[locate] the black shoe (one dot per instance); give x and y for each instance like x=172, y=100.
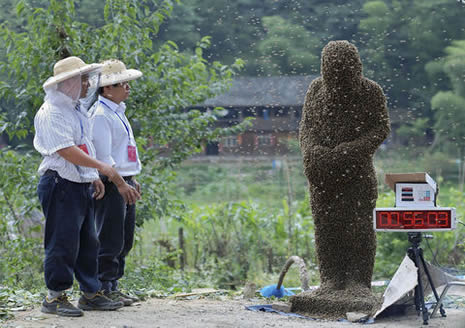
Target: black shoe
x=118, y=296
x=60, y=306
x=98, y=303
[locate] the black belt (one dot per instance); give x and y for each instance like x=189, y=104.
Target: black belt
x=51, y=173
x=104, y=178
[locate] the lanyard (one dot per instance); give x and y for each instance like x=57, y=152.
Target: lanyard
x=122, y=121
x=80, y=122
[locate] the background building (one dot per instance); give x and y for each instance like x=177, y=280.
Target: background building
x=275, y=103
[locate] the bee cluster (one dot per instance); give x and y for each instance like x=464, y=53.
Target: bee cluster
x=344, y=121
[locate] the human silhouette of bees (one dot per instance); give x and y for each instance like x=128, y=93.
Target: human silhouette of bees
x=344, y=121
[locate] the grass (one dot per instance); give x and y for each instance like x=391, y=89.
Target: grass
x=265, y=188
x=264, y=182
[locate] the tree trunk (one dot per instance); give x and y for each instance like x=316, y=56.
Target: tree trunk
x=182, y=255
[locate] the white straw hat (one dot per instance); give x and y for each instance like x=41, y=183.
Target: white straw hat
x=114, y=71
x=68, y=68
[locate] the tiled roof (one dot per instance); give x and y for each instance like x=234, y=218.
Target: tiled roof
x=264, y=91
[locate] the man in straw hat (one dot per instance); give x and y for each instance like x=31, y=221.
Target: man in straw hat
x=115, y=145
x=67, y=171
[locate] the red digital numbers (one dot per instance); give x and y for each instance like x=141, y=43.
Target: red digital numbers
x=413, y=219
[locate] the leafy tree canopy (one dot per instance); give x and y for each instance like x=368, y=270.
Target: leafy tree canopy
x=172, y=80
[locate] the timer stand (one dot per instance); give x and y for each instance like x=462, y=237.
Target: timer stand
x=415, y=212
x=415, y=252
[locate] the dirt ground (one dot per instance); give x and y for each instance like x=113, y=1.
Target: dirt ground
x=220, y=312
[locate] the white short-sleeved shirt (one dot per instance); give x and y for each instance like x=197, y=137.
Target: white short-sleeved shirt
x=111, y=136
x=59, y=125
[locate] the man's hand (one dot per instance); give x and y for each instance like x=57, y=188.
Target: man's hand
x=76, y=156
x=99, y=189
x=129, y=194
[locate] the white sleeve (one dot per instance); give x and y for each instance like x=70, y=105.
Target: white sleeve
x=53, y=132
x=101, y=138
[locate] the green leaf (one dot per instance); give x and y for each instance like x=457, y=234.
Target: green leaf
x=20, y=8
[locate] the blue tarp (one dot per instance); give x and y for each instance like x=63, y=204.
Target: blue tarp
x=269, y=308
x=271, y=290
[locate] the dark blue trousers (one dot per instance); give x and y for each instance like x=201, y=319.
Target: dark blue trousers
x=115, y=223
x=70, y=242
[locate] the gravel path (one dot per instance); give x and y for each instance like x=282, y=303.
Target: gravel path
x=205, y=313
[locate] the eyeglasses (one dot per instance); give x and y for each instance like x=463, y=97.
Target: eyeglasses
x=121, y=84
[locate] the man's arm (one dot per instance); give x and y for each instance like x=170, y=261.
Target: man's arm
x=76, y=156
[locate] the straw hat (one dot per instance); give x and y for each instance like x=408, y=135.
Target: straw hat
x=114, y=71
x=68, y=68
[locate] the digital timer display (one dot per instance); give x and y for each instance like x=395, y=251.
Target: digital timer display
x=414, y=219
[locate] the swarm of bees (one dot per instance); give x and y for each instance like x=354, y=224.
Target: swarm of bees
x=344, y=121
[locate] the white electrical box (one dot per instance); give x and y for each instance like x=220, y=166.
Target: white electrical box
x=414, y=195
x=415, y=208
x=414, y=190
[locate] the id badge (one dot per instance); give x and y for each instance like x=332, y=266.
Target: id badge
x=83, y=147
x=132, y=153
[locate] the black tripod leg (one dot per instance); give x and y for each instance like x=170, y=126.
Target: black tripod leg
x=441, y=308
x=411, y=254
x=421, y=295
x=417, y=300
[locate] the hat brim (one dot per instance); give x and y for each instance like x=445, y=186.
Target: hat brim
x=67, y=75
x=119, y=77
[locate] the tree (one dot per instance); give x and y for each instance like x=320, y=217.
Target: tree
x=401, y=37
x=234, y=27
x=287, y=48
x=375, y=25
x=239, y=28
x=449, y=105
x=172, y=80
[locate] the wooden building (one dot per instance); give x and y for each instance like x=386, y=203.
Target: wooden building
x=274, y=103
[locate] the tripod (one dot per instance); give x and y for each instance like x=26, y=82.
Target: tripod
x=416, y=255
